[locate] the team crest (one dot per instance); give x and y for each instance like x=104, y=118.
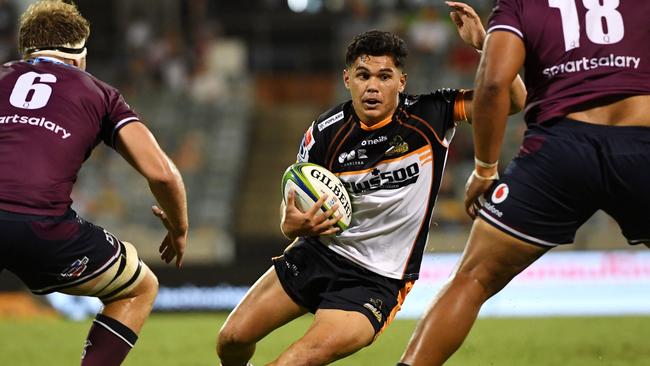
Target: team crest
x=374, y=305
x=397, y=146
x=500, y=193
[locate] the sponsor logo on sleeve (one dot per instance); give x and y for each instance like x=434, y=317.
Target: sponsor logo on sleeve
x=307, y=142
x=330, y=121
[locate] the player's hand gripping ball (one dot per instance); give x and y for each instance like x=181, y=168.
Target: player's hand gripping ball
x=310, y=182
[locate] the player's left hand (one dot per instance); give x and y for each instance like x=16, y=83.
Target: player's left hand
x=475, y=188
x=173, y=246
x=468, y=24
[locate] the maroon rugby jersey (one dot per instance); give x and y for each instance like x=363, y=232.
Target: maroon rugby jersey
x=51, y=117
x=578, y=51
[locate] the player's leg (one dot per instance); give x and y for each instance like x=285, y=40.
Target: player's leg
x=333, y=334
x=265, y=307
x=491, y=259
x=128, y=289
x=70, y=255
x=353, y=305
x=628, y=198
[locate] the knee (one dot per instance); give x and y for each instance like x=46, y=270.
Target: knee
x=307, y=353
x=486, y=281
x=233, y=337
x=150, y=285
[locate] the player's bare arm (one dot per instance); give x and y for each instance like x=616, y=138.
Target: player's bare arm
x=314, y=222
x=472, y=32
x=491, y=106
x=139, y=147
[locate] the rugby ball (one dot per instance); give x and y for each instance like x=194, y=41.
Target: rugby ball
x=312, y=181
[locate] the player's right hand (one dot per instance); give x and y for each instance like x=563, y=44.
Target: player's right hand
x=173, y=246
x=314, y=222
x=468, y=24
x=475, y=188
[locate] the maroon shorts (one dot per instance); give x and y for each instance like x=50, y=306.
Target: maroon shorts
x=567, y=170
x=52, y=253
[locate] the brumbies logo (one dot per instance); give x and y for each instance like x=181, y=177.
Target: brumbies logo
x=397, y=146
x=374, y=305
x=500, y=193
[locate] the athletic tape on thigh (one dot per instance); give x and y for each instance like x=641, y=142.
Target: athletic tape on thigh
x=124, y=275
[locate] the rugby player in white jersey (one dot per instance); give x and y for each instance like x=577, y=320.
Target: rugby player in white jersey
x=389, y=149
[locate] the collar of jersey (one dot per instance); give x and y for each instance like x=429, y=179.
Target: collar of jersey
x=376, y=126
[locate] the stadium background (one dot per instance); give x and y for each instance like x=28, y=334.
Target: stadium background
x=228, y=88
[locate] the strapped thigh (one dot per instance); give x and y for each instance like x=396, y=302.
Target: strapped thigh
x=124, y=275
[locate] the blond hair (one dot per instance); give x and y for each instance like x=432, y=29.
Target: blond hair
x=52, y=23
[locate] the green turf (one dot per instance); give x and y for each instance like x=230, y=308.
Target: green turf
x=188, y=339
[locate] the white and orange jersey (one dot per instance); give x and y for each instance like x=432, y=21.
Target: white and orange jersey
x=392, y=171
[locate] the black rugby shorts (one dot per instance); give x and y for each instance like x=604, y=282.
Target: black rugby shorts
x=317, y=278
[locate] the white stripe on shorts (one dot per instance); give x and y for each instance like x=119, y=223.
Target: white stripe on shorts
x=514, y=232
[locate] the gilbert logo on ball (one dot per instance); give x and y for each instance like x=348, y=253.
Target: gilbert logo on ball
x=500, y=193
x=310, y=182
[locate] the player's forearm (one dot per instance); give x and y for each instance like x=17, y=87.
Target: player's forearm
x=284, y=227
x=491, y=107
x=497, y=87
x=517, y=95
x=169, y=190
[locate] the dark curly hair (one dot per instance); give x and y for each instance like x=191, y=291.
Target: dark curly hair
x=377, y=43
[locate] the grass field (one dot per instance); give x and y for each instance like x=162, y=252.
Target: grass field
x=188, y=340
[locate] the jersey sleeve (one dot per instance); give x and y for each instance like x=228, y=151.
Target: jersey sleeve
x=310, y=151
x=507, y=16
x=314, y=144
x=437, y=110
x=118, y=115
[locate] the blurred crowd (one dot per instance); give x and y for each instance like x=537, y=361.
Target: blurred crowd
x=192, y=70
